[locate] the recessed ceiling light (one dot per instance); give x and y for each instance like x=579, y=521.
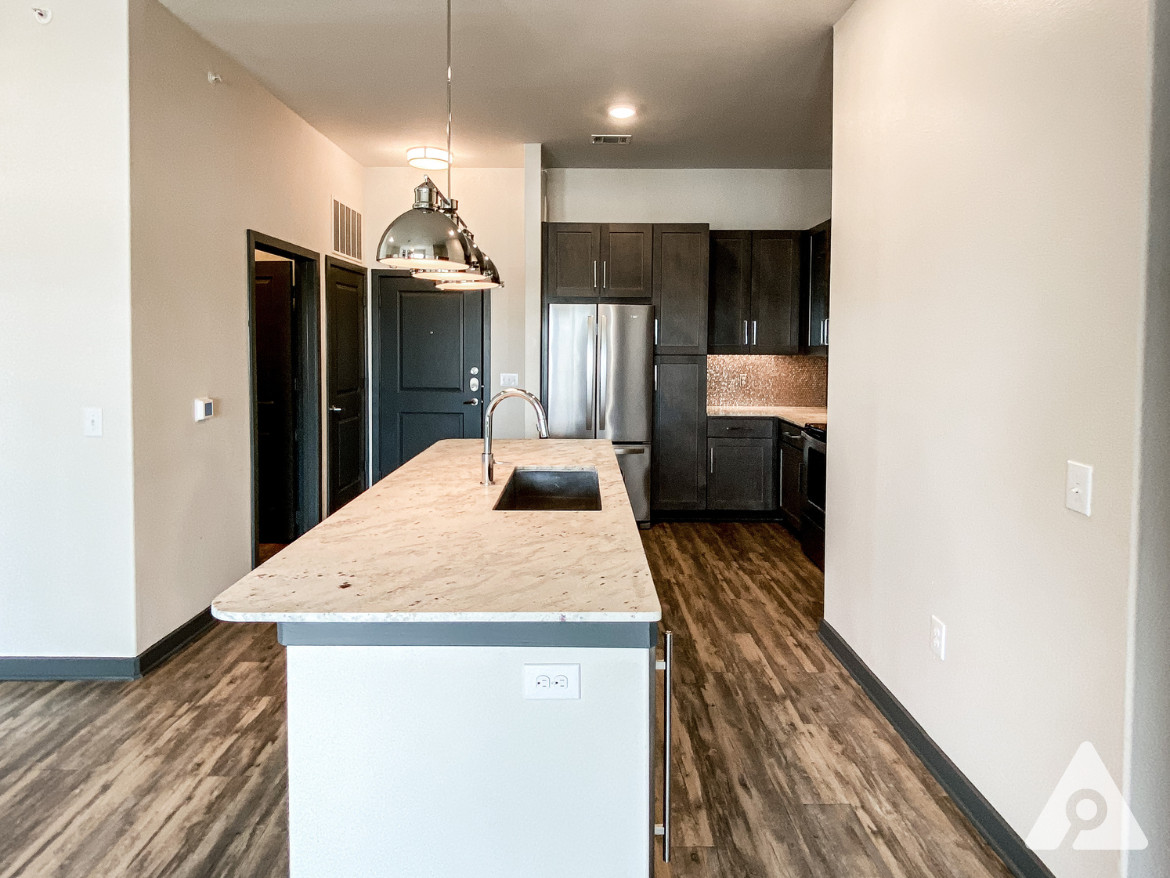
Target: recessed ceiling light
x=428, y=158
x=622, y=111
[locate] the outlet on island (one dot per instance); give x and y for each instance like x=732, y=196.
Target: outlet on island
x=552, y=681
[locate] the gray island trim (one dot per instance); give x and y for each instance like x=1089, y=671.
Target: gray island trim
x=640, y=635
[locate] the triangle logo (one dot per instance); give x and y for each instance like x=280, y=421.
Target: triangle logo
x=1086, y=811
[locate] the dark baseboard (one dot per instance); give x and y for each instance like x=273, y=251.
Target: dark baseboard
x=1004, y=840
x=84, y=668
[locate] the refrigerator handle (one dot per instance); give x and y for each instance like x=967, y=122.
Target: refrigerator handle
x=602, y=372
x=590, y=372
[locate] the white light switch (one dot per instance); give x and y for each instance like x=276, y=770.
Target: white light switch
x=509, y=379
x=1078, y=489
x=552, y=681
x=91, y=419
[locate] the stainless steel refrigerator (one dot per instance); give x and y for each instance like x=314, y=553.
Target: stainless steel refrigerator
x=600, y=362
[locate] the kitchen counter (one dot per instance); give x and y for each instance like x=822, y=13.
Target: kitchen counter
x=425, y=545
x=799, y=415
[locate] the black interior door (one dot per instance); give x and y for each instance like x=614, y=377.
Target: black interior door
x=430, y=365
x=276, y=461
x=345, y=310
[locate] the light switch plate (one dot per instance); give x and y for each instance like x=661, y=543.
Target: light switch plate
x=559, y=682
x=509, y=379
x=91, y=420
x=1078, y=489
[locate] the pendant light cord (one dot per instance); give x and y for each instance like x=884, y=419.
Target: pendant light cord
x=450, y=158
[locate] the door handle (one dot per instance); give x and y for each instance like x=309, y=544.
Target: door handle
x=666, y=667
x=474, y=401
x=602, y=371
x=336, y=409
x=590, y=372
x=753, y=333
x=745, y=332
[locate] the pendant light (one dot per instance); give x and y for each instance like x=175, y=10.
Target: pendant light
x=431, y=239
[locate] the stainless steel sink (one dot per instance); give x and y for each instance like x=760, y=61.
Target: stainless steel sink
x=566, y=488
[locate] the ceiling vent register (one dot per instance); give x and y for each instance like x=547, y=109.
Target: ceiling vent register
x=612, y=138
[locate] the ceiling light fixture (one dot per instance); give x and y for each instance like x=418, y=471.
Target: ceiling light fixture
x=622, y=111
x=430, y=239
x=428, y=158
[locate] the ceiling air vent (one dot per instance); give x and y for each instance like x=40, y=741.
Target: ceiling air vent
x=347, y=231
x=612, y=138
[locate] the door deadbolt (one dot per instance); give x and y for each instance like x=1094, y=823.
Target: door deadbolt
x=473, y=384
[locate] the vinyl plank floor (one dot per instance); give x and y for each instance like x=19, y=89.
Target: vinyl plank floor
x=783, y=769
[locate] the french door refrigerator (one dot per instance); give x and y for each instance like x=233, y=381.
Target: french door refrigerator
x=600, y=363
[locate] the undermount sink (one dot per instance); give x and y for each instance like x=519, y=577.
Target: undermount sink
x=565, y=488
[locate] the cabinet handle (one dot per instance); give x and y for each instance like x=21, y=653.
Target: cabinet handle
x=655, y=331
x=655, y=376
x=753, y=333
x=666, y=666
x=604, y=274
x=594, y=274
x=711, y=460
x=745, y=332
x=825, y=331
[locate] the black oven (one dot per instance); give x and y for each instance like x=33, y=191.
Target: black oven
x=812, y=531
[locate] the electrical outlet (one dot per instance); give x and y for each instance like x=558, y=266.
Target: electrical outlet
x=552, y=681
x=1078, y=487
x=509, y=379
x=938, y=638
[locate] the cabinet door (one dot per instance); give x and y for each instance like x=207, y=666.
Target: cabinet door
x=572, y=260
x=730, y=292
x=819, y=240
x=681, y=254
x=679, y=473
x=791, y=473
x=775, y=317
x=741, y=474
x=626, y=263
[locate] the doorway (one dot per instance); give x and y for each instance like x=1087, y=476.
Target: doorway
x=284, y=326
x=345, y=380
x=430, y=362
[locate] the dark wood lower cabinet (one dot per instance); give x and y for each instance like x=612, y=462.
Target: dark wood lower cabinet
x=741, y=474
x=679, y=475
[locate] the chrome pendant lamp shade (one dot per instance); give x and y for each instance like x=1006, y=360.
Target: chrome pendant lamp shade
x=424, y=236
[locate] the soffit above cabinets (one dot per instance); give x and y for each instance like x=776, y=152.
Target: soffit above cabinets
x=736, y=83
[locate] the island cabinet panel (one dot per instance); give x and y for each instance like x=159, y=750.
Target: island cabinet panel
x=681, y=258
x=679, y=476
x=407, y=761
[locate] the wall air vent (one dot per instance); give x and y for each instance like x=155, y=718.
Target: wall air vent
x=612, y=138
x=347, y=231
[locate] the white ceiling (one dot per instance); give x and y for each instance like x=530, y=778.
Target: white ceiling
x=718, y=83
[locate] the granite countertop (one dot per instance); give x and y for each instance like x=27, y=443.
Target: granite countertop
x=425, y=545
x=799, y=415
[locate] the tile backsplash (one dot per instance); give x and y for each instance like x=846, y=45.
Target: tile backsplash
x=760, y=380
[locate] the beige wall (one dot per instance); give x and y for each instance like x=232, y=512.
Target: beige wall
x=990, y=180
x=208, y=163
x=66, y=551
x=723, y=198
x=491, y=202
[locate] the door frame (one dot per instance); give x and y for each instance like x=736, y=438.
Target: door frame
x=307, y=370
x=332, y=262
x=376, y=275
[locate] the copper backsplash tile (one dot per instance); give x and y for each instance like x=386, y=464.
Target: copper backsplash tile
x=760, y=380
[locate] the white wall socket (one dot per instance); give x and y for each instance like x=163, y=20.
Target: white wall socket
x=1078, y=487
x=552, y=681
x=509, y=379
x=938, y=638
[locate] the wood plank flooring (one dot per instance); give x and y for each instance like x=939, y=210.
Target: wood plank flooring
x=783, y=769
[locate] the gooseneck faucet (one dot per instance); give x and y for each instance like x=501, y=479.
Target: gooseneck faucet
x=489, y=462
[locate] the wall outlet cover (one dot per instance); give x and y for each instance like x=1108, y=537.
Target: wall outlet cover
x=555, y=682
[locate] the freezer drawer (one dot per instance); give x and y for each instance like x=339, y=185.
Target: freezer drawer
x=634, y=461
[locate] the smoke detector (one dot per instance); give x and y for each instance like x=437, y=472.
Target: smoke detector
x=612, y=138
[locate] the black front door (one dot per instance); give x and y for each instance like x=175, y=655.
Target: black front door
x=276, y=416
x=430, y=366
x=345, y=311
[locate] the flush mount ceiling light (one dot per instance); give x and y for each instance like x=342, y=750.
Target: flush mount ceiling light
x=430, y=239
x=622, y=111
x=428, y=158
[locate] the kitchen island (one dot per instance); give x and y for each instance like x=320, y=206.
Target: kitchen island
x=470, y=690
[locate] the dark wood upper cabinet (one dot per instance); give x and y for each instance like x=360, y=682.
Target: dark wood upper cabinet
x=679, y=458
x=775, y=313
x=730, y=292
x=597, y=260
x=819, y=246
x=626, y=262
x=572, y=256
x=681, y=256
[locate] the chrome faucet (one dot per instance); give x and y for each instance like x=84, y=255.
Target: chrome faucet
x=489, y=462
